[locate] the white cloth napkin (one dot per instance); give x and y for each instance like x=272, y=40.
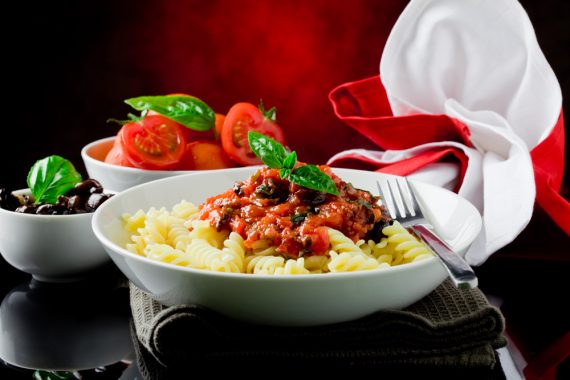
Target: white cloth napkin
x=477, y=61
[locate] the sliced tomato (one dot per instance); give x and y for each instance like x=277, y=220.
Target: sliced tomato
x=116, y=155
x=242, y=118
x=205, y=155
x=154, y=142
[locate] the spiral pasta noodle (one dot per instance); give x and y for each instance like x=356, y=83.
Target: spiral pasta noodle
x=204, y=256
x=350, y=262
x=264, y=264
x=234, y=246
x=404, y=244
x=177, y=237
x=167, y=254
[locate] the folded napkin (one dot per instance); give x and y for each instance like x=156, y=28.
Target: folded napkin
x=465, y=99
x=449, y=328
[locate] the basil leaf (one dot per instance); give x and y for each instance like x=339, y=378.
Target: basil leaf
x=290, y=161
x=51, y=177
x=270, y=151
x=312, y=177
x=274, y=156
x=184, y=109
x=284, y=172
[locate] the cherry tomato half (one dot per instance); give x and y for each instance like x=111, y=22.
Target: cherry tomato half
x=189, y=134
x=240, y=119
x=116, y=155
x=154, y=142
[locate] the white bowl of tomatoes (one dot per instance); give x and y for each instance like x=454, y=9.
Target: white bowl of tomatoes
x=176, y=134
x=117, y=177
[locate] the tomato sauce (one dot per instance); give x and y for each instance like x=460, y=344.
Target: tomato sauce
x=294, y=218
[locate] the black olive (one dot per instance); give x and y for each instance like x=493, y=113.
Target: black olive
x=26, y=209
x=277, y=191
x=86, y=187
x=95, y=200
x=376, y=232
x=75, y=202
x=96, y=186
x=85, y=197
x=46, y=209
x=312, y=197
x=238, y=190
x=7, y=200
x=220, y=223
x=62, y=202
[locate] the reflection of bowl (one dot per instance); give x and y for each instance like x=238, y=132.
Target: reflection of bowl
x=280, y=300
x=115, y=177
x=50, y=247
x=63, y=326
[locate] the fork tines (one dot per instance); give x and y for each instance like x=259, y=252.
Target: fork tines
x=397, y=196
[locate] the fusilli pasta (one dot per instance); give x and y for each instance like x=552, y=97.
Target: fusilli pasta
x=179, y=238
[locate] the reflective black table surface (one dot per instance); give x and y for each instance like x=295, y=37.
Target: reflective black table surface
x=46, y=329
x=85, y=325
x=77, y=330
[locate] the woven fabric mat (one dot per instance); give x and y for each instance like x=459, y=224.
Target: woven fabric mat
x=449, y=328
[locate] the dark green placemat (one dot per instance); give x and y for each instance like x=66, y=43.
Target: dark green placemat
x=449, y=328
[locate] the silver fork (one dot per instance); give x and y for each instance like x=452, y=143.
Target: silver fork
x=397, y=195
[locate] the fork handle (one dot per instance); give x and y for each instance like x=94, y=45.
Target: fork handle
x=460, y=272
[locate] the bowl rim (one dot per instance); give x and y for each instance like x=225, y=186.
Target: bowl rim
x=108, y=244
x=87, y=158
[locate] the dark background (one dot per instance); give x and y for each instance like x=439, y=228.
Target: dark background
x=68, y=67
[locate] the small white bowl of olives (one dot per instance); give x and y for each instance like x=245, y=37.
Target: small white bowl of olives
x=52, y=238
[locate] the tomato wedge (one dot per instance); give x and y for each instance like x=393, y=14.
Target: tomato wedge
x=205, y=155
x=154, y=142
x=219, y=125
x=240, y=119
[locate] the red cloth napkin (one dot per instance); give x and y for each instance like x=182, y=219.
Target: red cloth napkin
x=465, y=94
x=364, y=106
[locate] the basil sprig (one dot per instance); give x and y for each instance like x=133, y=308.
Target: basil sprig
x=275, y=156
x=184, y=109
x=51, y=177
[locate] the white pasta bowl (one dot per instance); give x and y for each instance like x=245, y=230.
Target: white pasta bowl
x=115, y=177
x=300, y=300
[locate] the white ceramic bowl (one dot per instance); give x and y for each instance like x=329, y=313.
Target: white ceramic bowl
x=115, y=177
x=301, y=300
x=53, y=248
